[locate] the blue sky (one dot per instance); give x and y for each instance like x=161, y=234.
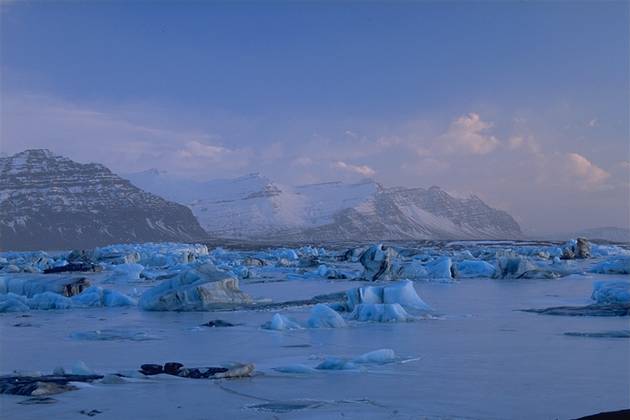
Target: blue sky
x=524, y=104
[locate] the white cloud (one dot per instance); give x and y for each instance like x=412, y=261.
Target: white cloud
x=580, y=167
x=121, y=141
x=467, y=135
x=363, y=170
x=195, y=149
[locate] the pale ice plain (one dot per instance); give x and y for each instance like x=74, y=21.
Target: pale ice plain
x=474, y=354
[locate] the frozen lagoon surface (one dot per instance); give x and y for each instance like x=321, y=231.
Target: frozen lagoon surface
x=478, y=357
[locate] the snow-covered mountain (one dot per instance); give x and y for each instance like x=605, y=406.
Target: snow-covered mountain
x=51, y=202
x=254, y=207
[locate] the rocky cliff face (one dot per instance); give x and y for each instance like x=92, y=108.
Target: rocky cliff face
x=51, y=202
x=417, y=213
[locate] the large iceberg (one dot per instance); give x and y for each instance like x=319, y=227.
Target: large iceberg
x=196, y=289
x=402, y=293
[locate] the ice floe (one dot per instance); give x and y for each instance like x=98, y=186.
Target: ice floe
x=323, y=316
x=616, y=265
x=611, y=292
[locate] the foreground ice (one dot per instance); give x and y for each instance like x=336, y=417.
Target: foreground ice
x=458, y=365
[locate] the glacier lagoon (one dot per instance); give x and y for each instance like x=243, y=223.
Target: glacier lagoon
x=475, y=354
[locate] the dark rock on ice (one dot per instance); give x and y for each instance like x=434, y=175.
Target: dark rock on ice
x=217, y=323
x=38, y=400
x=596, y=309
x=72, y=267
x=42, y=385
x=151, y=369
x=90, y=413
x=172, y=367
x=178, y=369
x=581, y=249
x=601, y=334
x=201, y=373
x=608, y=415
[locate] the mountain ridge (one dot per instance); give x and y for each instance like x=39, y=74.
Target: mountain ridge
x=254, y=207
x=49, y=201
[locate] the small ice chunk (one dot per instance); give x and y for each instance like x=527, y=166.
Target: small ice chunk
x=280, y=322
x=295, y=368
x=80, y=368
x=111, y=379
x=377, y=356
x=336, y=363
x=323, y=316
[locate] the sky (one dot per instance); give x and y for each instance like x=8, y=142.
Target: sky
x=524, y=104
